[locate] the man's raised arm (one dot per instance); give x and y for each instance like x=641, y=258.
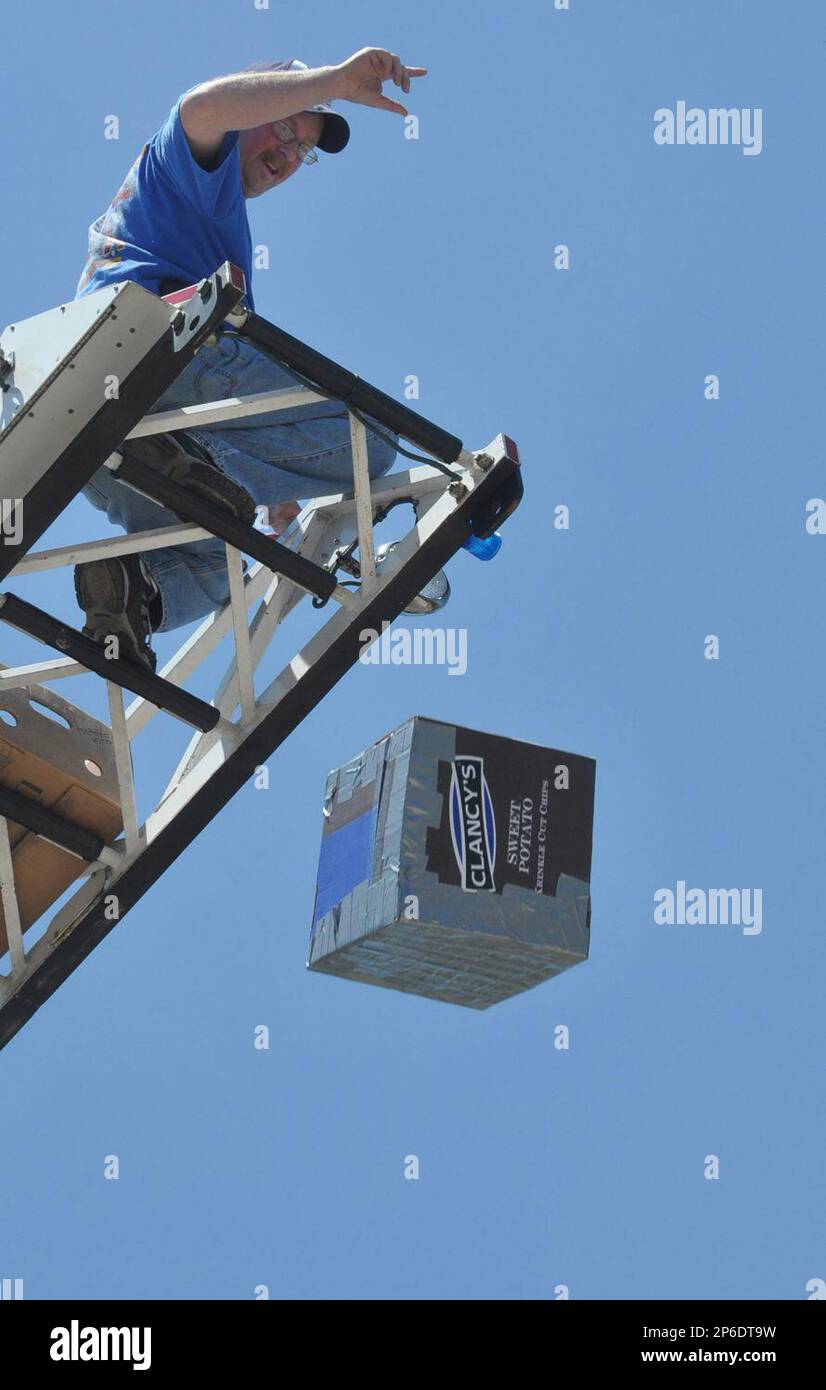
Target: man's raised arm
x=244, y=100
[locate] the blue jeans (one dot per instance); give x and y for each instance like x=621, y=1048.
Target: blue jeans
x=280, y=456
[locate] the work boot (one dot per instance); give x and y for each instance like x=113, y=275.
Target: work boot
x=115, y=596
x=188, y=464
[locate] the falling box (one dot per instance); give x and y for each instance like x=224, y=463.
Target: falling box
x=454, y=864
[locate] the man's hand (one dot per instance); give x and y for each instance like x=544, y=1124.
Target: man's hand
x=360, y=78
x=280, y=514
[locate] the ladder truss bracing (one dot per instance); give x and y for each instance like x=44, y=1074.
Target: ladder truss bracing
x=54, y=434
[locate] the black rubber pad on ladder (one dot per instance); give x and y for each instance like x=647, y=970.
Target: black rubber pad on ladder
x=226, y=527
x=51, y=826
x=91, y=654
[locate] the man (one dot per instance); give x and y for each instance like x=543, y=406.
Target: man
x=179, y=215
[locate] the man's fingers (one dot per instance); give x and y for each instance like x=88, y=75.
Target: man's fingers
x=386, y=67
x=385, y=104
x=401, y=74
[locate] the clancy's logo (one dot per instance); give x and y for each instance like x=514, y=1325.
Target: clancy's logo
x=472, y=826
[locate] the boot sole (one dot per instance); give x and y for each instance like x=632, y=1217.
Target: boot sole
x=102, y=597
x=209, y=483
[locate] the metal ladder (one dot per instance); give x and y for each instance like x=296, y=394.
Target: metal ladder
x=54, y=434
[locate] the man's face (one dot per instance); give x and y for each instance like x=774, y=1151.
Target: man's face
x=267, y=161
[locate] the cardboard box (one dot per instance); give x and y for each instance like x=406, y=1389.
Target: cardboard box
x=454, y=864
x=66, y=764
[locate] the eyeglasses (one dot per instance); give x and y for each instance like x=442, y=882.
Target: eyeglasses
x=287, y=136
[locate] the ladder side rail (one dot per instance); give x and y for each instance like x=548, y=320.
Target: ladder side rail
x=84, y=447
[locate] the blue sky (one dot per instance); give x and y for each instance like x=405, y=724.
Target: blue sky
x=539, y=1168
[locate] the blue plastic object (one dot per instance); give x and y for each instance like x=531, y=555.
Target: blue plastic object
x=484, y=549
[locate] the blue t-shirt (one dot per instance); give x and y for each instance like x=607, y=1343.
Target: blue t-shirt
x=171, y=223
